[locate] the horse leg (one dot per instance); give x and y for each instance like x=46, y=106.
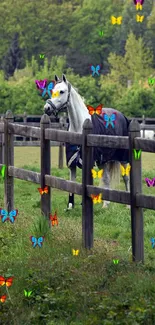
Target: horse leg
x=126, y=180
x=105, y=180
x=70, y=204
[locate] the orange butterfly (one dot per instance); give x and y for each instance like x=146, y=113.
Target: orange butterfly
x=43, y=190
x=3, y=298
x=97, y=110
x=7, y=282
x=54, y=220
x=96, y=198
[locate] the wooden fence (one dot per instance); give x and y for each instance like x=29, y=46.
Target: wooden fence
x=45, y=133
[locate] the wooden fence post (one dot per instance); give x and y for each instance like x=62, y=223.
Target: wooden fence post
x=87, y=203
x=25, y=123
x=136, y=187
x=45, y=165
x=143, y=123
x=61, y=147
x=8, y=160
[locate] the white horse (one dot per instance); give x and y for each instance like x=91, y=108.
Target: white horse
x=77, y=111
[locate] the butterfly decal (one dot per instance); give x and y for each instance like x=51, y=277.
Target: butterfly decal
x=27, y=293
x=115, y=261
x=55, y=94
x=96, y=174
x=2, y=298
x=117, y=20
x=7, y=282
x=42, y=56
x=139, y=18
x=151, y=81
x=150, y=182
x=139, y=4
x=54, y=219
x=153, y=242
x=41, y=84
x=125, y=171
x=109, y=120
x=75, y=252
x=97, y=110
x=101, y=32
x=137, y=154
x=43, y=190
x=8, y=216
x=95, y=70
x=96, y=198
x=48, y=89
x=2, y=171
x=36, y=241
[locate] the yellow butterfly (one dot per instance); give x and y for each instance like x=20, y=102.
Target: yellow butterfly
x=139, y=6
x=97, y=174
x=139, y=18
x=117, y=20
x=75, y=252
x=55, y=94
x=125, y=171
x=96, y=198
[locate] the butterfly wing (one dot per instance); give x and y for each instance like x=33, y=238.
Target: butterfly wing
x=94, y=173
x=3, y=171
x=25, y=293
x=29, y=293
x=73, y=251
x=122, y=170
x=106, y=119
x=34, y=241
x=91, y=109
x=112, y=119
x=3, y=298
x=4, y=215
x=12, y=215
x=98, y=109
x=93, y=70
x=119, y=20
x=50, y=87
x=98, y=69
x=100, y=173
x=2, y=280
x=128, y=170
x=40, y=190
x=77, y=252
x=99, y=198
x=113, y=20
x=40, y=241
x=9, y=281
x=46, y=189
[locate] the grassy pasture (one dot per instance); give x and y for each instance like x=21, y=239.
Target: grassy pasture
x=87, y=289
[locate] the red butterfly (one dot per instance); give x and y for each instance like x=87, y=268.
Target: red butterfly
x=97, y=110
x=54, y=220
x=43, y=190
x=3, y=298
x=7, y=282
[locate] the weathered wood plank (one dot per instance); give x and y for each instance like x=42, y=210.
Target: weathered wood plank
x=8, y=160
x=136, y=187
x=45, y=160
x=63, y=185
x=147, y=127
x=28, y=131
x=87, y=204
x=109, y=195
x=144, y=144
x=63, y=136
x=34, y=144
x=145, y=201
x=25, y=175
x=107, y=141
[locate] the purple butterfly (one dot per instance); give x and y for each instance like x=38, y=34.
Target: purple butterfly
x=41, y=84
x=138, y=4
x=149, y=182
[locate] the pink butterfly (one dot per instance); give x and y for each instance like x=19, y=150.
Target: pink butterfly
x=150, y=182
x=41, y=84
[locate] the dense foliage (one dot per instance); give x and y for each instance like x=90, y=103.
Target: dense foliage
x=68, y=34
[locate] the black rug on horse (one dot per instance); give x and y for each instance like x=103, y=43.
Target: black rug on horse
x=101, y=154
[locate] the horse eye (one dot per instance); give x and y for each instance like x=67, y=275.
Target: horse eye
x=61, y=92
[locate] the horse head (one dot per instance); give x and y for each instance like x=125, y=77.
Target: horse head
x=60, y=97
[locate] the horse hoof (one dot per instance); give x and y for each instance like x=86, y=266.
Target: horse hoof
x=128, y=206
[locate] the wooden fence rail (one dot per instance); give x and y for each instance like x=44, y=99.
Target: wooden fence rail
x=135, y=198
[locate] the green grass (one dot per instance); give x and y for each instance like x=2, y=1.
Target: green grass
x=85, y=289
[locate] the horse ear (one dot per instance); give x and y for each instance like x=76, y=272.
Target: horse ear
x=64, y=78
x=56, y=78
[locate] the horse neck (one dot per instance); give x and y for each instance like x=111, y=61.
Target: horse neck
x=77, y=112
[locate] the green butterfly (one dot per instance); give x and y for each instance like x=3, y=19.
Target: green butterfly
x=115, y=261
x=137, y=154
x=151, y=81
x=101, y=32
x=27, y=293
x=2, y=171
x=42, y=56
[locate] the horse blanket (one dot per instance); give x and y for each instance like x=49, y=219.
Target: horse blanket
x=102, y=155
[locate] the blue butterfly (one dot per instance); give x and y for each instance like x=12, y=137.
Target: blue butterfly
x=8, y=216
x=153, y=242
x=109, y=119
x=95, y=69
x=36, y=241
x=48, y=89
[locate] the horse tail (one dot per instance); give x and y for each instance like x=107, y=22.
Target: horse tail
x=114, y=174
